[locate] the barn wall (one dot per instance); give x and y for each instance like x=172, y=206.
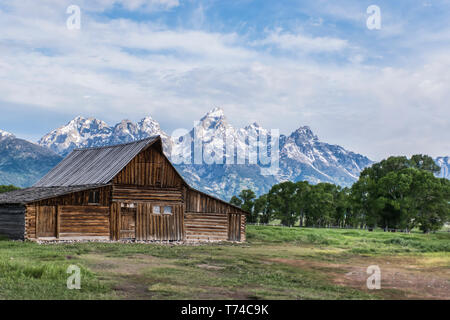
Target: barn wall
x=114, y=221
x=83, y=221
x=30, y=222
x=243, y=225
x=12, y=221
x=163, y=227
x=206, y=226
x=149, y=168
x=78, y=198
x=202, y=203
x=135, y=194
x=84, y=215
x=208, y=219
x=147, y=225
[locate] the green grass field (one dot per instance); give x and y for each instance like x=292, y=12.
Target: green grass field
x=275, y=263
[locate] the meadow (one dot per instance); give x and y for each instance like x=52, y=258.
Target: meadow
x=275, y=263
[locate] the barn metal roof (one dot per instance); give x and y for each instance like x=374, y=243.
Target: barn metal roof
x=24, y=196
x=93, y=165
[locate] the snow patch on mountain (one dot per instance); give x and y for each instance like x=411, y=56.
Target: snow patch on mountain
x=4, y=135
x=444, y=163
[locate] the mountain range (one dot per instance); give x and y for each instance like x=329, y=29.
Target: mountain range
x=224, y=171
x=302, y=155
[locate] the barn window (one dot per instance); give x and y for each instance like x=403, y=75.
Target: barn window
x=94, y=197
x=156, y=209
x=167, y=210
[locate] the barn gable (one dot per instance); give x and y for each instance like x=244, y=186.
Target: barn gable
x=150, y=168
x=94, y=165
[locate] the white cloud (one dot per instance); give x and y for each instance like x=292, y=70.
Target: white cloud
x=145, y=4
x=301, y=42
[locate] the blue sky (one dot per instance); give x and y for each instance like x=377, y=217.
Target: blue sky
x=284, y=64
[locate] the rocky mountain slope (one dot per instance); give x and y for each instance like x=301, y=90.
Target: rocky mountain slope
x=22, y=163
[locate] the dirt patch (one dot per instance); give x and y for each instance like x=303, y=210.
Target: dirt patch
x=401, y=278
x=130, y=265
x=125, y=273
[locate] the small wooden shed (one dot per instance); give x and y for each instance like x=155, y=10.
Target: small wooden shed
x=129, y=191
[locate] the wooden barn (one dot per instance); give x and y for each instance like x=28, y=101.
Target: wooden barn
x=123, y=192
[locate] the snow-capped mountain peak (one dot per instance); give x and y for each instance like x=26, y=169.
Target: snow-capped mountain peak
x=303, y=134
x=253, y=126
x=4, y=134
x=79, y=132
x=149, y=126
x=213, y=120
x=84, y=132
x=216, y=112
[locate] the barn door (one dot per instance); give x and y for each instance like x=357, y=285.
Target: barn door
x=128, y=221
x=160, y=221
x=46, y=222
x=234, y=227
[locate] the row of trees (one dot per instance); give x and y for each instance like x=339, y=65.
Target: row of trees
x=7, y=188
x=397, y=193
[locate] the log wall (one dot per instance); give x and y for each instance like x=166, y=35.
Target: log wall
x=147, y=225
x=234, y=227
x=149, y=168
x=210, y=219
x=12, y=221
x=127, y=193
x=202, y=203
x=83, y=221
x=30, y=222
x=78, y=198
x=206, y=226
x=115, y=221
x=79, y=201
x=243, y=226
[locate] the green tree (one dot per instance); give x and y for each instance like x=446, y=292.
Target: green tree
x=302, y=188
x=245, y=201
x=424, y=162
x=236, y=201
x=262, y=209
x=248, y=196
x=343, y=208
x=8, y=188
x=281, y=199
x=394, y=199
x=431, y=204
x=360, y=200
x=402, y=193
x=320, y=205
